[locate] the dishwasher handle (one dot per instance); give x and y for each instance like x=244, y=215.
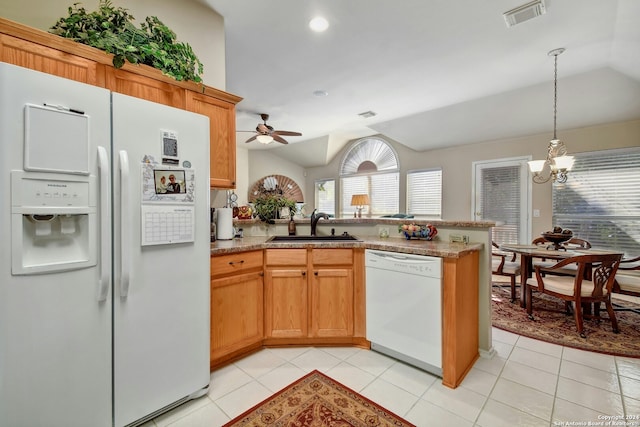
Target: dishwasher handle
x=416, y=259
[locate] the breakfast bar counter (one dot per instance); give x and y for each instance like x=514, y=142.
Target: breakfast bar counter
x=393, y=244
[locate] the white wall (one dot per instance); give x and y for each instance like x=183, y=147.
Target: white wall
x=193, y=23
x=456, y=163
x=263, y=163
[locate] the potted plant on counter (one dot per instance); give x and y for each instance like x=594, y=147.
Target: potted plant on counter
x=267, y=206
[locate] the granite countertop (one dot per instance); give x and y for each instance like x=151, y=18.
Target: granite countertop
x=417, y=247
x=378, y=221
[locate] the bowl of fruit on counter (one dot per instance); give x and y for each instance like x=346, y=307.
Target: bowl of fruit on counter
x=414, y=231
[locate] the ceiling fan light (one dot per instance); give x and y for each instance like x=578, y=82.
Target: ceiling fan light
x=265, y=139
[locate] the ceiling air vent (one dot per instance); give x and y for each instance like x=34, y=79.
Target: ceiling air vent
x=524, y=12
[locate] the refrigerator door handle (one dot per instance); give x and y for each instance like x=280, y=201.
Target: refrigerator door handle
x=124, y=224
x=103, y=281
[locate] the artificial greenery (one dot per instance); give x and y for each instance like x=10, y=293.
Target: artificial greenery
x=111, y=29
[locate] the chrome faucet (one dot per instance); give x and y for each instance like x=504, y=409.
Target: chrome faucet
x=315, y=217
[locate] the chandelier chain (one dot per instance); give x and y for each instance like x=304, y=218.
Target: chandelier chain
x=557, y=163
x=555, y=95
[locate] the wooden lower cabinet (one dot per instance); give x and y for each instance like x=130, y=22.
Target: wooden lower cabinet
x=460, y=340
x=310, y=297
x=331, y=302
x=307, y=296
x=286, y=299
x=237, y=306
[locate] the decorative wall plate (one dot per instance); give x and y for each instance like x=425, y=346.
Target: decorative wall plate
x=288, y=186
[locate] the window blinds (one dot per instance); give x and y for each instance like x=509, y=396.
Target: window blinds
x=326, y=196
x=500, y=201
x=382, y=188
x=424, y=193
x=601, y=200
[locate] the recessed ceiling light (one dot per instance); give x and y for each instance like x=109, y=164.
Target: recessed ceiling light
x=320, y=93
x=318, y=24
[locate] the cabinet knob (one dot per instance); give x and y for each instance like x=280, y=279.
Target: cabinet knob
x=304, y=273
x=315, y=272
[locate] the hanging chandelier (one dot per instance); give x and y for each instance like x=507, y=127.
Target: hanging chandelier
x=557, y=164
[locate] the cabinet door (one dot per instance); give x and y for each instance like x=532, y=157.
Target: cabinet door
x=51, y=61
x=222, y=129
x=127, y=83
x=236, y=313
x=286, y=302
x=332, y=302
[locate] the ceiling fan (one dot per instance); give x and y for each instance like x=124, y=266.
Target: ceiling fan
x=265, y=133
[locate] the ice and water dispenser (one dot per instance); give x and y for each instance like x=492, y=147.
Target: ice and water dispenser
x=54, y=212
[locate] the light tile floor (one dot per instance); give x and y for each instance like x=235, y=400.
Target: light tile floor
x=527, y=383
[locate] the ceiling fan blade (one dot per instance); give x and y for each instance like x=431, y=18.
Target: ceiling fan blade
x=286, y=133
x=252, y=138
x=280, y=140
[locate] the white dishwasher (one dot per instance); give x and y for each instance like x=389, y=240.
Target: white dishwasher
x=404, y=307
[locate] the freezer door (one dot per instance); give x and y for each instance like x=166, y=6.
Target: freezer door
x=161, y=303
x=55, y=331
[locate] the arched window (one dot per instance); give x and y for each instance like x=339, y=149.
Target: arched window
x=370, y=167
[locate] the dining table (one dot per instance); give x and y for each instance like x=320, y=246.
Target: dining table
x=529, y=252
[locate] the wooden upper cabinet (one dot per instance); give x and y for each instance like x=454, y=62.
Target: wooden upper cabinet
x=51, y=61
x=222, y=130
x=130, y=83
x=38, y=50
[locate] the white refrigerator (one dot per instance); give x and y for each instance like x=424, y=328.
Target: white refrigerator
x=104, y=269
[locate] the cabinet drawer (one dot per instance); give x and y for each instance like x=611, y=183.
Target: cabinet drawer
x=332, y=257
x=235, y=263
x=286, y=256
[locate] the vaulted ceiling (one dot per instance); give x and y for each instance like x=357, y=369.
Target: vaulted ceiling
x=437, y=73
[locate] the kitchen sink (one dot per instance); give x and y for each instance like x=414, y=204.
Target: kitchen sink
x=335, y=238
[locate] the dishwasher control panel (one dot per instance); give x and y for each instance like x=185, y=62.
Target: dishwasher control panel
x=420, y=265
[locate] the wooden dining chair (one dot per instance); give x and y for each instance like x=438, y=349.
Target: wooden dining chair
x=573, y=243
x=628, y=281
x=576, y=289
x=505, y=264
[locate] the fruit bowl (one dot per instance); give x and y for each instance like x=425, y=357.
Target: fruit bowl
x=412, y=231
x=557, y=238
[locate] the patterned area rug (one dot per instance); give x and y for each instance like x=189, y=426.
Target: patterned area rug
x=316, y=400
x=560, y=328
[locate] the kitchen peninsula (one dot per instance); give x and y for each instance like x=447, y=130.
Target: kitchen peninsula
x=252, y=279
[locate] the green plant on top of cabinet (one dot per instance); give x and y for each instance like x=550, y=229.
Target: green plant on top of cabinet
x=111, y=29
